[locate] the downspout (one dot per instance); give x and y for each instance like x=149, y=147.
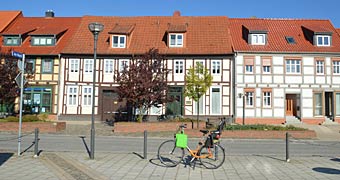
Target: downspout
x=234, y=87
x=59, y=87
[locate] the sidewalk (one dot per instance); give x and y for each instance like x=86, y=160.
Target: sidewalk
x=131, y=166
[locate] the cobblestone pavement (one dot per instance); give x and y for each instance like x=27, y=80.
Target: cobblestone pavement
x=130, y=166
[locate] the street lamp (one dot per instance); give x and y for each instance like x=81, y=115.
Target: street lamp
x=241, y=95
x=95, y=28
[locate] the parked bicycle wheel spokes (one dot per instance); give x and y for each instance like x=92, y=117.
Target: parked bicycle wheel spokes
x=169, y=154
x=212, y=157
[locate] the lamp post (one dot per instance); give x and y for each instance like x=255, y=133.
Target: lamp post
x=95, y=28
x=243, y=96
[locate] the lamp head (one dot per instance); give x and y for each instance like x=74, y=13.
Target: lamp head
x=96, y=27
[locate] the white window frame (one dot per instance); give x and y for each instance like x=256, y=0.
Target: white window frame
x=266, y=69
x=119, y=43
x=322, y=39
x=249, y=69
x=178, y=42
x=336, y=67
x=87, y=96
x=108, y=66
x=72, y=95
x=320, y=67
x=220, y=108
x=122, y=63
x=88, y=65
x=267, y=99
x=258, y=39
x=294, y=64
x=47, y=66
x=250, y=96
x=216, y=67
x=179, y=67
x=42, y=41
x=74, y=65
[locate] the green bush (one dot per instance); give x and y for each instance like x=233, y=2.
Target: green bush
x=43, y=116
x=11, y=119
x=30, y=118
x=263, y=127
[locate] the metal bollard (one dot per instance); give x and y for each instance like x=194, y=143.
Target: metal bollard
x=207, y=123
x=36, y=142
x=145, y=144
x=287, y=147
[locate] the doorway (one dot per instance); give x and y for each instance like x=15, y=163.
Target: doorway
x=112, y=107
x=329, y=108
x=175, y=105
x=292, y=105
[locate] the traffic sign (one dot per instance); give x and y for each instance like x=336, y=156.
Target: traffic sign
x=17, y=54
x=20, y=65
x=18, y=80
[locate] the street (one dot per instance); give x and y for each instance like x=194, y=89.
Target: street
x=118, y=144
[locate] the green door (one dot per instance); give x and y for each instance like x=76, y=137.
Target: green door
x=175, y=105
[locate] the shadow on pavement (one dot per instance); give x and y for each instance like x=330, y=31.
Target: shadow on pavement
x=336, y=159
x=86, y=147
x=157, y=162
x=4, y=157
x=275, y=158
x=327, y=170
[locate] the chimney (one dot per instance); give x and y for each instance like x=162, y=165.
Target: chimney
x=177, y=13
x=49, y=14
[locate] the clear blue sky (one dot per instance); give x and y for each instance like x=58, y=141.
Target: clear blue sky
x=311, y=9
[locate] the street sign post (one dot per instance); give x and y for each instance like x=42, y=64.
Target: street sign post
x=22, y=79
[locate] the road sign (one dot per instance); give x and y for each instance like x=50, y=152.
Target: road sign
x=17, y=54
x=18, y=79
x=20, y=65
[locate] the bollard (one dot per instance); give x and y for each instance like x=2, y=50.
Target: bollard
x=36, y=142
x=207, y=123
x=192, y=124
x=287, y=147
x=145, y=144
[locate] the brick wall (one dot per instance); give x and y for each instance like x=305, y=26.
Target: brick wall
x=30, y=126
x=260, y=120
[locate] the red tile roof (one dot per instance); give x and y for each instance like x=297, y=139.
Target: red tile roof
x=278, y=29
x=42, y=26
x=204, y=35
x=6, y=17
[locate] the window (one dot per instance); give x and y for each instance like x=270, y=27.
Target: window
x=47, y=66
x=72, y=93
x=323, y=40
x=337, y=105
x=249, y=99
x=118, y=41
x=266, y=69
x=123, y=64
x=88, y=65
x=216, y=67
x=318, y=104
x=267, y=95
x=258, y=39
x=319, y=67
x=179, y=67
x=30, y=66
x=215, y=100
x=266, y=65
x=12, y=40
x=43, y=41
x=336, y=67
x=108, y=66
x=249, y=68
x=290, y=40
x=74, y=65
x=200, y=106
x=293, y=66
x=176, y=40
x=87, y=96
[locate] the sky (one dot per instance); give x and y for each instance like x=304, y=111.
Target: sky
x=306, y=9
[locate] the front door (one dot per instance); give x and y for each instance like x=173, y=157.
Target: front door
x=175, y=105
x=329, y=109
x=291, y=105
x=112, y=108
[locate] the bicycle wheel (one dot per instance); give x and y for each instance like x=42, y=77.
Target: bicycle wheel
x=213, y=157
x=169, y=154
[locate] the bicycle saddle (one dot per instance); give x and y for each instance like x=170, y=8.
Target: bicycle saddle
x=204, y=131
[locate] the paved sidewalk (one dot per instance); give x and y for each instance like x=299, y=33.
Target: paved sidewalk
x=131, y=166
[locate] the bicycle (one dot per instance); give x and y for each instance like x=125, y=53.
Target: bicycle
x=209, y=151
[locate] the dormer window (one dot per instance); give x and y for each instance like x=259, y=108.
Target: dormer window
x=176, y=40
x=258, y=39
x=12, y=40
x=119, y=41
x=323, y=40
x=42, y=41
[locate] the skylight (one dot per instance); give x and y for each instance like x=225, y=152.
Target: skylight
x=290, y=40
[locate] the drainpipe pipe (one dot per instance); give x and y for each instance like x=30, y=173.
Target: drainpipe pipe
x=59, y=87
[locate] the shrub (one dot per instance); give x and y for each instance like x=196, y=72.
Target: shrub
x=30, y=118
x=263, y=127
x=43, y=116
x=11, y=119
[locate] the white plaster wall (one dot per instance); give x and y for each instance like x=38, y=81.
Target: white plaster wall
x=320, y=80
x=278, y=79
x=267, y=112
x=308, y=61
x=279, y=112
x=249, y=112
x=249, y=79
x=293, y=79
x=266, y=79
x=278, y=70
x=278, y=60
x=308, y=79
x=308, y=70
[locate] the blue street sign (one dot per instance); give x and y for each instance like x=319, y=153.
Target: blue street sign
x=17, y=54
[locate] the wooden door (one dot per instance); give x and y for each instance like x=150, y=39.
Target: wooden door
x=289, y=107
x=112, y=108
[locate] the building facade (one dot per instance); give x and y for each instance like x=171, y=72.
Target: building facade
x=287, y=71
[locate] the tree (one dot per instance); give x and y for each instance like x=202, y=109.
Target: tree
x=143, y=83
x=198, y=80
x=9, y=90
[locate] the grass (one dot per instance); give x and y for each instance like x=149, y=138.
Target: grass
x=263, y=127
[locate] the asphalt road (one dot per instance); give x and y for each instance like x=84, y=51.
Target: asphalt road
x=117, y=144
